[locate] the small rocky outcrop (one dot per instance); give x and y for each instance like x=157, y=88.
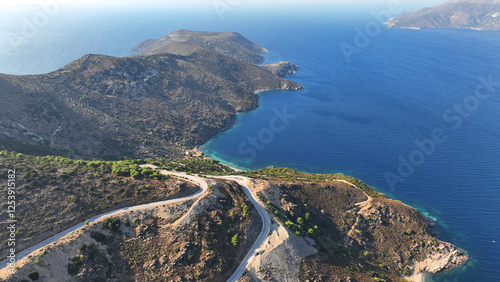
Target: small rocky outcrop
x=282, y=68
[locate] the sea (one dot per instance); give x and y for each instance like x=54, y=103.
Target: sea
x=413, y=113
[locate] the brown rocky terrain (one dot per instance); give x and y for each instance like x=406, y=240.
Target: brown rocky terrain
x=148, y=106
x=56, y=193
x=157, y=244
x=360, y=234
x=468, y=14
x=323, y=228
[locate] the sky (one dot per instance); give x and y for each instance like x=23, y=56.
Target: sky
x=201, y=3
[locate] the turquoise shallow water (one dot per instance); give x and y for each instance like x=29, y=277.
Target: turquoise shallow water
x=357, y=118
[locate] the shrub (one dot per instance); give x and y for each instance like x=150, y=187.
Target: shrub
x=112, y=224
x=307, y=216
x=136, y=175
x=235, y=240
x=246, y=210
x=406, y=271
x=82, y=248
x=408, y=231
x=98, y=236
x=74, y=266
x=34, y=276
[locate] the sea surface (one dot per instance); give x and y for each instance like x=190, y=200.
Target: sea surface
x=370, y=115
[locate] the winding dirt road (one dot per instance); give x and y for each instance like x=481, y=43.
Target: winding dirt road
x=201, y=182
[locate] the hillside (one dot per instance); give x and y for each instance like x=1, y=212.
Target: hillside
x=468, y=14
x=140, y=106
x=58, y=193
x=360, y=234
x=231, y=44
x=323, y=227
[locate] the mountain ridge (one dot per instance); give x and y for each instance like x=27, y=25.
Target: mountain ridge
x=462, y=14
x=231, y=44
x=144, y=105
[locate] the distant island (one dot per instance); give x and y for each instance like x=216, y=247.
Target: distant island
x=463, y=14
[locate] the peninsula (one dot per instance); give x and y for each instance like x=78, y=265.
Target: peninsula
x=149, y=217
x=169, y=98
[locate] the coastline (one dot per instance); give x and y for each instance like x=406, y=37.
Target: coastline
x=448, y=258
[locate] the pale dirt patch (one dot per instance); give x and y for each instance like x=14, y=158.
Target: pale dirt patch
x=280, y=256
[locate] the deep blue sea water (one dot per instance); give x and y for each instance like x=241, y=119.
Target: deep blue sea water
x=354, y=117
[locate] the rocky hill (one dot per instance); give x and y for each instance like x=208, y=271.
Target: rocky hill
x=147, y=105
x=323, y=227
x=468, y=14
x=231, y=44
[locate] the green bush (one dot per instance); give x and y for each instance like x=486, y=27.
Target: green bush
x=98, y=236
x=235, y=240
x=112, y=224
x=34, y=276
x=246, y=210
x=75, y=265
x=300, y=221
x=406, y=271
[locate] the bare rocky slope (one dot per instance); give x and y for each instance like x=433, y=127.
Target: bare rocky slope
x=146, y=105
x=323, y=228
x=468, y=14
